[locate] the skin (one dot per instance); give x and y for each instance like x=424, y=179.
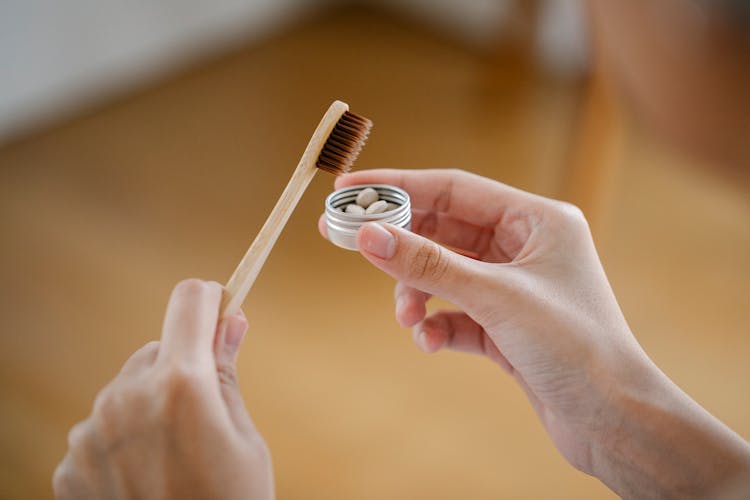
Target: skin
x=532, y=297
x=172, y=424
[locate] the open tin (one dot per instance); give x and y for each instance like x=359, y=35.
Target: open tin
x=342, y=227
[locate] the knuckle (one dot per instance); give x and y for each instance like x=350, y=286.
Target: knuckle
x=143, y=354
x=428, y=262
x=106, y=404
x=78, y=436
x=152, y=345
x=107, y=414
x=227, y=375
x=180, y=378
x=180, y=385
x=455, y=172
x=571, y=213
x=183, y=376
x=61, y=482
x=257, y=452
x=149, y=352
x=115, y=406
x=261, y=452
x=463, y=175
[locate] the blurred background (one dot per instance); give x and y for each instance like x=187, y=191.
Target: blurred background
x=145, y=142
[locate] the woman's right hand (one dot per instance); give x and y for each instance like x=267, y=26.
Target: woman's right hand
x=533, y=297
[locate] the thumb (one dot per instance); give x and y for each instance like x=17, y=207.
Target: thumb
x=421, y=263
x=228, y=340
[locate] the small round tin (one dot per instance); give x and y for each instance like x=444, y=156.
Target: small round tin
x=342, y=227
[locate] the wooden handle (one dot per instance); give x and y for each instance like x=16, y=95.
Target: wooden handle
x=249, y=267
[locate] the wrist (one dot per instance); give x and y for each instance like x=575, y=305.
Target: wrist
x=657, y=442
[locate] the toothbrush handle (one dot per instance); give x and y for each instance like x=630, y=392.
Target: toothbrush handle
x=249, y=267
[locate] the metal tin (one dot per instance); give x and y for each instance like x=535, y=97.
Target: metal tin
x=342, y=227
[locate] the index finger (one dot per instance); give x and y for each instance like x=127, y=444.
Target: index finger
x=190, y=322
x=461, y=194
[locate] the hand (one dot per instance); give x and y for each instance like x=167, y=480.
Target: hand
x=172, y=424
x=533, y=297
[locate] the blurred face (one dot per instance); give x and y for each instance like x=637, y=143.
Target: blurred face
x=685, y=69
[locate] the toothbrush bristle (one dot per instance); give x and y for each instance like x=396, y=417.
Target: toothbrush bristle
x=344, y=143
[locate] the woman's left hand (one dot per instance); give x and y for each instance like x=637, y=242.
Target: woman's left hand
x=172, y=424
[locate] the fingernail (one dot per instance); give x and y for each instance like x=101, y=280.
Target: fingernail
x=235, y=331
x=377, y=240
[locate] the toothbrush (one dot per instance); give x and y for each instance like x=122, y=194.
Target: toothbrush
x=334, y=147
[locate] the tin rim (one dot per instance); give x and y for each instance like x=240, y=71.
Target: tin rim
x=342, y=227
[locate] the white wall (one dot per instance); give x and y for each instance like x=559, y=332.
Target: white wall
x=477, y=22
x=56, y=55
x=562, y=39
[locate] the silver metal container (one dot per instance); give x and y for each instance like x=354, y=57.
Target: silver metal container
x=342, y=227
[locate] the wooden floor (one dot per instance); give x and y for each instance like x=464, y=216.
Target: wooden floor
x=101, y=215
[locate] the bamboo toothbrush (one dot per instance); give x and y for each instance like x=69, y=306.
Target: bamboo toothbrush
x=334, y=147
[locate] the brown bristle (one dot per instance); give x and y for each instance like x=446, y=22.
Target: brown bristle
x=344, y=144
